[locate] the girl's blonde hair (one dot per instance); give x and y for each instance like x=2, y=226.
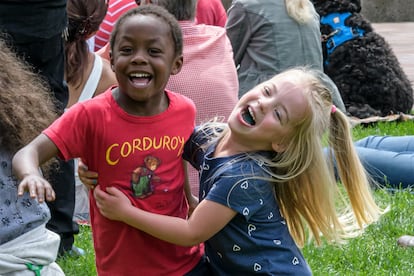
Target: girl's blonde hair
x=304, y=180
x=302, y=11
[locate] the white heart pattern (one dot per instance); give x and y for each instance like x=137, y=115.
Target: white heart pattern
x=257, y=267
x=277, y=242
x=251, y=228
x=236, y=248
x=295, y=261
x=244, y=185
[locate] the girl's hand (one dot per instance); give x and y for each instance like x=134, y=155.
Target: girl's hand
x=37, y=187
x=88, y=178
x=112, y=204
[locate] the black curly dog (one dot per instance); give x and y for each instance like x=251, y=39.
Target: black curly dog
x=360, y=62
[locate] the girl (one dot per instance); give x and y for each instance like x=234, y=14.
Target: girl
x=265, y=181
x=86, y=73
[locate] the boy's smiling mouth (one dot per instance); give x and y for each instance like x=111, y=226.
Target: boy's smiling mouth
x=248, y=116
x=140, y=79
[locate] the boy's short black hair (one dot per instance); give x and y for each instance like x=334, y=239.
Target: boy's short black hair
x=156, y=11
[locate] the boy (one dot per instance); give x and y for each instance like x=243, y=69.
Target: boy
x=115, y=132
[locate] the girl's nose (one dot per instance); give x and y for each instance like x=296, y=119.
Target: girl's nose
x=263, y=104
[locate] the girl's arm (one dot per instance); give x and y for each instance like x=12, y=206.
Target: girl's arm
x=26, y=163
x=206, y=220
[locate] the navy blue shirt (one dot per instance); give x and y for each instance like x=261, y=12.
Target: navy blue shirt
x=257, y=240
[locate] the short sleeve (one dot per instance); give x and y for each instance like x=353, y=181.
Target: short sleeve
x=247, y=196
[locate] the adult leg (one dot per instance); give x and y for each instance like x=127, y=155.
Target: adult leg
x=388, y=143
x=61, y=222
x=388, y=159
x=388, y=168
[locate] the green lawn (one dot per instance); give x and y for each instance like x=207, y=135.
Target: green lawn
x=374, y=253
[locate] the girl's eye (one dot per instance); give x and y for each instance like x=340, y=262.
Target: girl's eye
x=266, y=91
x=277, y=113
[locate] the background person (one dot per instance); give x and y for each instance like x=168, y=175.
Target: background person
x=26, y=245
x=270, y=36
x=35, y=30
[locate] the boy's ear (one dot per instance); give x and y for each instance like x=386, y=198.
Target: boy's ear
x=178, y=64
x=111, y=60
x=277, y=147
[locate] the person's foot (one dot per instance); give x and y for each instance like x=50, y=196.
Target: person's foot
x=73, y=252
x=406, y=241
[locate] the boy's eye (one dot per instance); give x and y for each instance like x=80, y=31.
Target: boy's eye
x=154, y=51
x=125, y=50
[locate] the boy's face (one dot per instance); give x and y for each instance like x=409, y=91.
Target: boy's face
x=143, y=58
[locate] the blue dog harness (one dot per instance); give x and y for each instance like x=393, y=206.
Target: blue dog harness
x=341, y=33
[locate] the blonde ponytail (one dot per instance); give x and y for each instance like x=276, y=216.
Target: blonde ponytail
x=351, y=172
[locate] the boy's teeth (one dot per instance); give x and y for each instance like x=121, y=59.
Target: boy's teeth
x=139, y=75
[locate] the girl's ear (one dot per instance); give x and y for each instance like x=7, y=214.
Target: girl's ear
x=278, y=147
x=177, y=65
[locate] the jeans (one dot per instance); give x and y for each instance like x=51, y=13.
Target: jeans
x=388, y=159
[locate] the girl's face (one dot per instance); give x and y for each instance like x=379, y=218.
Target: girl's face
x=143, y=58
x=265, y=117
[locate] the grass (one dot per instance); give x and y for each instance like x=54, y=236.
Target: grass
x=374, y=253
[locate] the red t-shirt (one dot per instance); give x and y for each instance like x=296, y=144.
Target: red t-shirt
x=142, y=157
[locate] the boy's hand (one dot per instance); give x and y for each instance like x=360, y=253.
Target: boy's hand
x=88, y=178
x=37, y=187
x=192, y=204
x=112, y=204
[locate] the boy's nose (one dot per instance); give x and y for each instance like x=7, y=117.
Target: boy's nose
x=139, y=57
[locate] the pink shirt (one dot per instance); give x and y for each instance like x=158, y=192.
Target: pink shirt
x=208, y=75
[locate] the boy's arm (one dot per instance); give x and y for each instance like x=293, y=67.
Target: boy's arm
x=207, y=219
x=191, y=199
x=26, y=163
